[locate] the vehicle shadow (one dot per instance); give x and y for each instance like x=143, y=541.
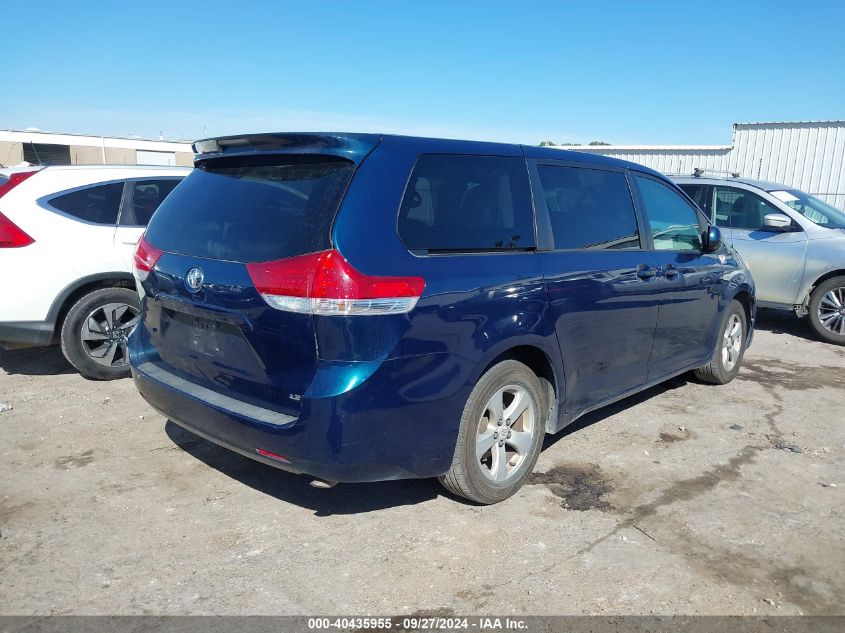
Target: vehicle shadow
x=783, y=322
x=366, y=497
x=296, y=489
x=35, y=361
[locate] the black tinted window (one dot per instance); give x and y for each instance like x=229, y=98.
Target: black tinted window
x=147, y=195
x=98, y=204
x=696, y=192
x=252, y=210
x=589, y=208
x=467, y=203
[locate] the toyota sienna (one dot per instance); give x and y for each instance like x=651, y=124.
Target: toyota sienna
x=360, y=307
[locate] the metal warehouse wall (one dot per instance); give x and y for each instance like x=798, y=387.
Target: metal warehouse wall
x=92, y=150
x=807, y=155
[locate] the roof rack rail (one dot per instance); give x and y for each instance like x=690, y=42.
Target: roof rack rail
x=698, y=172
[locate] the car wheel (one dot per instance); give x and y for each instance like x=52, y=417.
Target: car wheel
x=730, y=348
x=95, y=332
x=500, y=436
x=827, y=310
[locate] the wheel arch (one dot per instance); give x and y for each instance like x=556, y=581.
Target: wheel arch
x=803, y=300
x=81, y=287
x=823, y=278
x=747, y=301
x=540, y=362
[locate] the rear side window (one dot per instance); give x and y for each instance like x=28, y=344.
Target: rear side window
x=99, y=204
x=456, y=203
x=145, y=198
x=696, y=193
x=589, y=208
x=253, y=209
x=673, y=222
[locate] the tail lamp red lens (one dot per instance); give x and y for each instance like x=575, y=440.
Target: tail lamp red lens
x=11, y=235
x=325, y=283
x=15, y=179
x=146, y=256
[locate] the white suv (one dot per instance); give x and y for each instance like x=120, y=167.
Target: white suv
x=67, y=237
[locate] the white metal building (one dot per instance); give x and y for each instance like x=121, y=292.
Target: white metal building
x=807, y=155
x=79, y=149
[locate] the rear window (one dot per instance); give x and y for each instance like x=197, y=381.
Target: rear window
x=252, y=210
x=457, y=203
x=98, y=204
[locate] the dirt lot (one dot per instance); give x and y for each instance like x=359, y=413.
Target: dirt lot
x=675, y=501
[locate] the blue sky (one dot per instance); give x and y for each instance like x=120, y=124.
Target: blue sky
x=625, y=72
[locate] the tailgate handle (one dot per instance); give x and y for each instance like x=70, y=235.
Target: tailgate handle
x=204, y=311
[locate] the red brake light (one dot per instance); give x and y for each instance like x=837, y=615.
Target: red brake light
x=14, y=180
x=11, y=235
x=325, y=283
x=146, y=256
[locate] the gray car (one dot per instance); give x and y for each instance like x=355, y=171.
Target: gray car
x=793, y=243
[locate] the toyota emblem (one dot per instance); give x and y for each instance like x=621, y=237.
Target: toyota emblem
x=193, y=279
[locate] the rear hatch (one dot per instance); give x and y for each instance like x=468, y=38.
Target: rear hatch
x=204, y=318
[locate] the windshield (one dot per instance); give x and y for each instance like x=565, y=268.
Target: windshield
x=812, y=208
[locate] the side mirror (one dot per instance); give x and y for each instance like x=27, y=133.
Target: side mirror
x=712, y=239
x=777, y=221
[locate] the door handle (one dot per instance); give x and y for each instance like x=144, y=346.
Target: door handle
x=670, y=271
x=644, y=271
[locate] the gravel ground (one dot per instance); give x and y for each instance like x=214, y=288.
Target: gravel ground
x=685, y=499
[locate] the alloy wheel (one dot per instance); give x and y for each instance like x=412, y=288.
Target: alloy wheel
x=831, y=311
x=105, y=333
x=506, y=432
x=732, y=342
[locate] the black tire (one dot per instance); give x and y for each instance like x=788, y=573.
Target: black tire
x=81, y=353
x=718, y=371
x=830, y=286
x=466, y=476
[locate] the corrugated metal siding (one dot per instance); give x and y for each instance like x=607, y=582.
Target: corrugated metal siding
x=806, y=155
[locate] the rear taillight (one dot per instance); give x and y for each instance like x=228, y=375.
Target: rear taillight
x=325, y=283
x=146, y=256
x=11, y=235
x=14, y=180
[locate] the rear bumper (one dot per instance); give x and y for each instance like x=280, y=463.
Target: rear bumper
x=25, y=333
x=402, y=422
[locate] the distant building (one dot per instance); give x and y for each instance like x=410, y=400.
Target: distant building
x=78, y=149
x=807, y=155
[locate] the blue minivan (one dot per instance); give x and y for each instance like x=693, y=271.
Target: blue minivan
x=359, y=307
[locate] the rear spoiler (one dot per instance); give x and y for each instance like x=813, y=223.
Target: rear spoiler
x=350, y=146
